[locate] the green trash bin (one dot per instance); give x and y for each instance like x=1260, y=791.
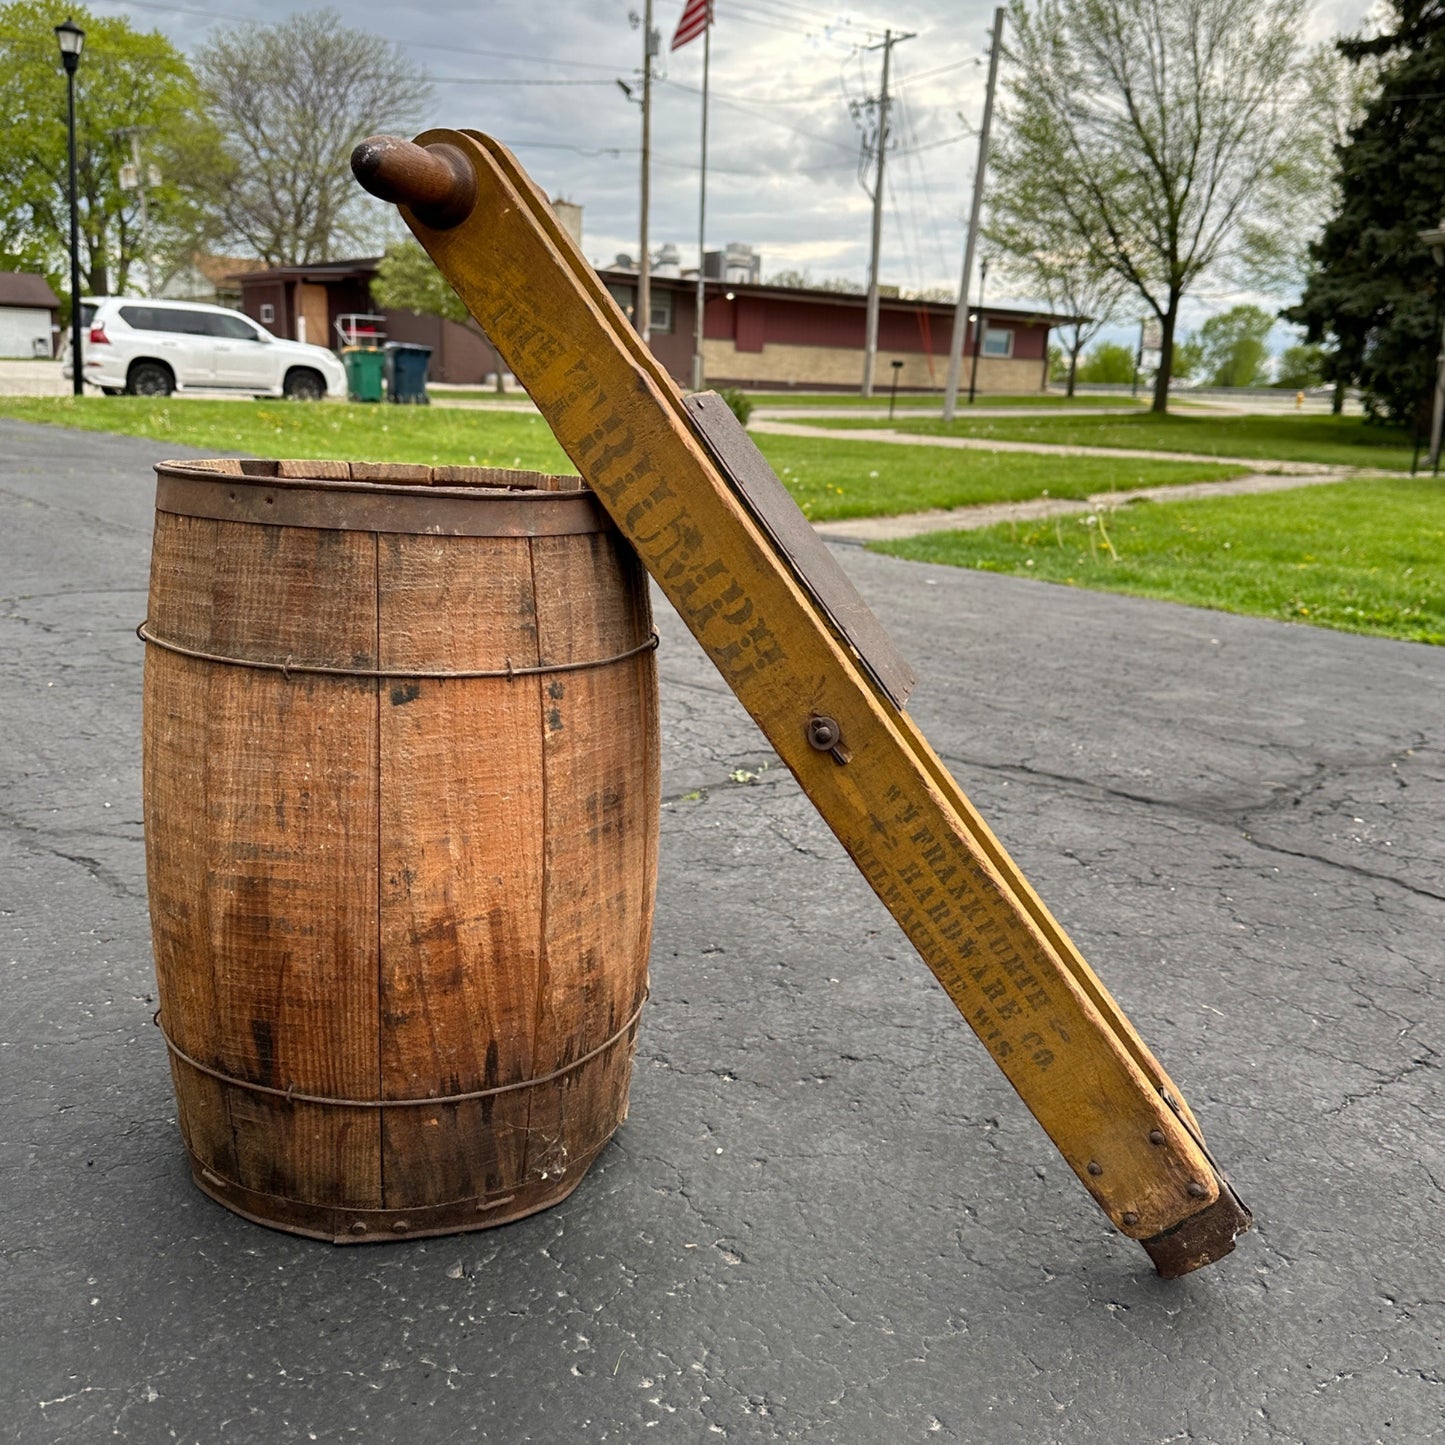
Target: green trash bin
x=365, y=366
x=406, y=368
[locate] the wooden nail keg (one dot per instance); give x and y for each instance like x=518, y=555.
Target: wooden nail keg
x=401, y=811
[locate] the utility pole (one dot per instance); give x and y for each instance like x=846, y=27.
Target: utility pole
x=960, y=315
x=137, y=181
x=870, y=344
x=644, y=265
x=697, y=340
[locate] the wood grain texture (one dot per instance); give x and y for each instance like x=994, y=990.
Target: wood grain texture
x=1048, y=1023
x=463, y=811
x=347, y=872
x=600, y=758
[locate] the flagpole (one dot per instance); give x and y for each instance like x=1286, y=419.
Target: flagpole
x=643, y=319
x=697, y=373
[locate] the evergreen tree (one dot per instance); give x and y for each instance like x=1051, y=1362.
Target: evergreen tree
x=1375, y=289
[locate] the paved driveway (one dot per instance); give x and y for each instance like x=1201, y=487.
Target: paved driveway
x=827, y=1219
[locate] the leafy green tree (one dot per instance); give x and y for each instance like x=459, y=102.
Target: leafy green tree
x=407, y=280
x=1375, y=290
x=1235, y=346
x=1188, y=357
x=1159, y=130
x=1301, y=366
x=1108, y=361
x=126, y=79
x=291, y=101
x=1070, y=280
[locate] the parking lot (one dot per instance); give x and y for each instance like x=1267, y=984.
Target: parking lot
x=827, y=1218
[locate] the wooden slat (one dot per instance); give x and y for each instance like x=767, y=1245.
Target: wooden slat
x=289, y=829
x=335, y=471
x=601, y=764
x=958, y=899
x=406, y=473
x=462, y=823
x=177, y=692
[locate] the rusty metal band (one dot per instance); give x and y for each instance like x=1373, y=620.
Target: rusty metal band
x=294, y=1096
x=358, y=506
x=288, y=668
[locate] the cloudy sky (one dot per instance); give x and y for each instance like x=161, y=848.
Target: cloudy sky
x=784, y=145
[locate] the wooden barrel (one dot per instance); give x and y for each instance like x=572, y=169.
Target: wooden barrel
x=401, y=810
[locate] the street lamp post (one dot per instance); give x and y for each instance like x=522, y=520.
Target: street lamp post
x=71, y=39
x=1435, y=240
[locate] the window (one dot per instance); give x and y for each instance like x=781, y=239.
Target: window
x=268, y=313
x=660, y=304
x=143, y=318
x=231, y=328
x=624, y=296
x=997, y=341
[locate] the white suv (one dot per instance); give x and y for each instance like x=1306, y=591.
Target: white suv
x=152, y=348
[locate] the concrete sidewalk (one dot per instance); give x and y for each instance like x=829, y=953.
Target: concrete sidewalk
x=1049, y=449
x=987, y=514
x=828, y=1218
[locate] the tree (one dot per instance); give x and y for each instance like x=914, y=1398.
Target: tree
x=1032, y=234
x=1158, y=129
x=1301, y=366
x=1375, y=291
x=1108, y=361
x=407, y=280
x=126, y=79
x=291, y=101
x=1235, y=346
x=1334, y=93
x=1070, y=283
x=1188, y=359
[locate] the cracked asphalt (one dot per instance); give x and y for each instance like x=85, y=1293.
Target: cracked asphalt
x=827, y=1219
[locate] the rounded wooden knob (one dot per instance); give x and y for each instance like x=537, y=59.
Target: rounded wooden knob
x=435, y=181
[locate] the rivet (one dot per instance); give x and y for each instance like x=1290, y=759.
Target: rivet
x=1196, y=1190
x=1156, y=1138
x=823, y=733
x=358, y=1228
x=1095, y=1167
x=1130, y=1218
x=400, y=1227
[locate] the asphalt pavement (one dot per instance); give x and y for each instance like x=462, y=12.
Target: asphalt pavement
x=827, y=1218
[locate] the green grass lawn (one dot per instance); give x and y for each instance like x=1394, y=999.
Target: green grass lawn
x=291, y=429
x=877, y=479
x=1332, y=440
x=913, y=399
x=1365, y=556
x=482, y=393
x=832, y=477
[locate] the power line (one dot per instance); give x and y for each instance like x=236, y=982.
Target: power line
x=210, y=14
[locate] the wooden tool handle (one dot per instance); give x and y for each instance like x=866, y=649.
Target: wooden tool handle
x=435, y=182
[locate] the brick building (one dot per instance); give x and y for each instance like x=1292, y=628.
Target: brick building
x=773, y=337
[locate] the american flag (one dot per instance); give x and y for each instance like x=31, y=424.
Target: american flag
x=696, y=17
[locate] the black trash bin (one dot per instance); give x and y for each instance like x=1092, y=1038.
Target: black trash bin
x=406, y=368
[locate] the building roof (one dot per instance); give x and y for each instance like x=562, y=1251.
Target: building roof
x=846, y=299
x=216, y=269
x=362, y=269
x=23, y=288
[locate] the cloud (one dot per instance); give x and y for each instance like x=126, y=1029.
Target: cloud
x=783, y=142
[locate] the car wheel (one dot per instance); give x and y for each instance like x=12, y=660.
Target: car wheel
x=302, y=385
x=150, y=378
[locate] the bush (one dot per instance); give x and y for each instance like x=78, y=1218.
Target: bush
x=739, y=402
x=1108, y=361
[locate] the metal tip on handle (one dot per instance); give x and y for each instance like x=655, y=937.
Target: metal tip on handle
x=436, y=181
